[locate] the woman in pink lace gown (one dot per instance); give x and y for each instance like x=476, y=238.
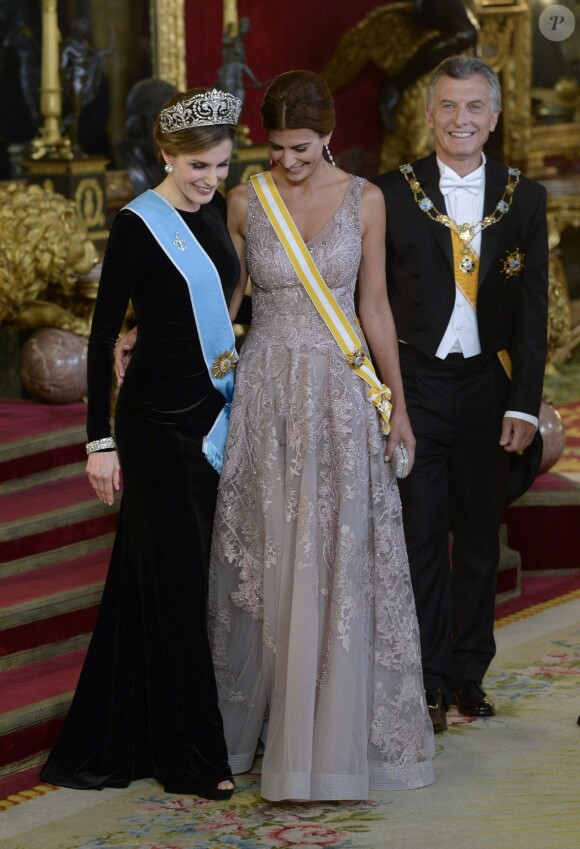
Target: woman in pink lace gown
x=315, y=638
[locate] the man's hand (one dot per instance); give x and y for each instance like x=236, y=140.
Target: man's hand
x=516, y=434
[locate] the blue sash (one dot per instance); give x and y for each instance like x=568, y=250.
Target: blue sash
x=210, y=310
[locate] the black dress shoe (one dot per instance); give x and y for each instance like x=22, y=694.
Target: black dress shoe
x=437, y=710
x=472, y=700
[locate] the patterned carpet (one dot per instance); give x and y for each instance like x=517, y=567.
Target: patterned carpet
x=511, y=780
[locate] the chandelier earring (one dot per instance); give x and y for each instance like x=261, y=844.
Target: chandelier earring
x=168, y=168
x=329, y=155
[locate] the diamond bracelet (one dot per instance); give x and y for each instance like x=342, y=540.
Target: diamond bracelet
x=100, y=445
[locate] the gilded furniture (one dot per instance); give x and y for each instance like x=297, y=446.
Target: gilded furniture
x=564, y=313
x=168, y=41
x=46, y=252
x=389, y=34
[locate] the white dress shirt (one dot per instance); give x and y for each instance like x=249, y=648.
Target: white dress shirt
x=464, y=204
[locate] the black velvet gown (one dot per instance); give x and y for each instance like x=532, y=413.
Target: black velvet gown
x=146, y=702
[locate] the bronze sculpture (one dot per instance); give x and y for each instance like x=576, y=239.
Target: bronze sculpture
x=82, y=71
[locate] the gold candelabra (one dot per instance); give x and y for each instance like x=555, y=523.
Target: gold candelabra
x=50, y=144
x=231, y=17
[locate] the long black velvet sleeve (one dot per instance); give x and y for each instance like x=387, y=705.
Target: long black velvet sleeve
x=121, y=269
x=167, y=373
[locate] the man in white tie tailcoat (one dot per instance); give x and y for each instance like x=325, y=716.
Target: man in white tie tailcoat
x=467, y=276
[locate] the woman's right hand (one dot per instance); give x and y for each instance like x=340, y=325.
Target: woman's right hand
x=123, y=354
x=104, y=470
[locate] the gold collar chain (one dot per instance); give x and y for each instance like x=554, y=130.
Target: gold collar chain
x=466, y=232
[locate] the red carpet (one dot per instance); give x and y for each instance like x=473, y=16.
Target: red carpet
x=56, y=495
x=48, y=681
x=26, y=419
x=54, y=579
x=543, y=525
x=55, y=542
x=52, y=677
x=36, y=437
x=57, y=537
x=552, y=482
x=538, y=590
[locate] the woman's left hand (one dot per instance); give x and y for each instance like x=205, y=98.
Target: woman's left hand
x=401, y=432
x=104, y=472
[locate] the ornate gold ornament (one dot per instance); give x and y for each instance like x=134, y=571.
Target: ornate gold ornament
x=513, y=264
x=46, y=250
x=224, y=363
x=381, y=398
x=563, y=325
x=356, y=358
x=169, y=47
x=90, y=200
x=50, y=144
x=466, y=232
x=505, y=42
x=387, y=37
x=467, y=265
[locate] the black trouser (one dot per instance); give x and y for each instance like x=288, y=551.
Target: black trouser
x=456, y=408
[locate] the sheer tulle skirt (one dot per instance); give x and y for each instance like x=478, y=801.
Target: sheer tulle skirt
x=314, y=632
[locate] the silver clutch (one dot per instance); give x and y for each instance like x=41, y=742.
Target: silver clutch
x=400, y=461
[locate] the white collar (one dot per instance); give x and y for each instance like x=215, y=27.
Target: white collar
x=443, y=168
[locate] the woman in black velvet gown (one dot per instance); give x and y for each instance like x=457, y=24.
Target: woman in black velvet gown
x=146, y=702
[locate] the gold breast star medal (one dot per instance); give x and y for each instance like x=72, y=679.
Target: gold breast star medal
x=467, y=263
x=356, y=358
x=513, y=264
x=224, y=363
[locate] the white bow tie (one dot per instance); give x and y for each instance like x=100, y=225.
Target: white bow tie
x=472, y=182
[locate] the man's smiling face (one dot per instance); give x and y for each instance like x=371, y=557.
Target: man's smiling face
x=461, y=116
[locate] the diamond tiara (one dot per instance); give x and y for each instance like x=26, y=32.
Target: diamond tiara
x=201, y=110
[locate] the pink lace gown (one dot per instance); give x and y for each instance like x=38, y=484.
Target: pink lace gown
x=315, y=638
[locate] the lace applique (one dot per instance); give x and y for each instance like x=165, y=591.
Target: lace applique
x=308, y=559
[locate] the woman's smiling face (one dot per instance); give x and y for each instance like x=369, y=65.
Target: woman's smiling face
x=297, y=152
x=196, y=176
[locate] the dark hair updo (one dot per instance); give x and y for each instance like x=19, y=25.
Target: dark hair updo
x=298, y=100
x=192, y=139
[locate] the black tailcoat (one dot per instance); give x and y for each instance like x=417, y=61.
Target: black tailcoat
x=456, y=406
x=511, y=311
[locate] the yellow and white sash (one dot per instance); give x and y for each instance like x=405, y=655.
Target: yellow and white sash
x=467, y=282
x=320, y=294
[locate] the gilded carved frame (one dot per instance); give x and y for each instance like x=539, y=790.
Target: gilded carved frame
x=168, y=41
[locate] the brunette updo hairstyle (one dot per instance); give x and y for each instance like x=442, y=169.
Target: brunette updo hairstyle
x=298, y=100
x=192, y=139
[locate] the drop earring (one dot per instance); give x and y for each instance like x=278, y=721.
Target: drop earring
x=330, y=156
x=168, y=168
